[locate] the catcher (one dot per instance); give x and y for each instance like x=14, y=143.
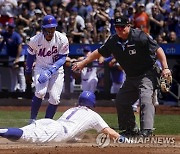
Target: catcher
x=68, y=127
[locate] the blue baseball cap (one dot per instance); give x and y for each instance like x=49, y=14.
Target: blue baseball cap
x=12, y=25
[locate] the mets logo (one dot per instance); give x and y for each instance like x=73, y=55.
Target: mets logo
x=49, y=20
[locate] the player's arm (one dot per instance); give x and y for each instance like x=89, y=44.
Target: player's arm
x=162, y=58
x=29, y=61
x=58, y=63
x=46, y=75
x=111, y=132
x=92, y=56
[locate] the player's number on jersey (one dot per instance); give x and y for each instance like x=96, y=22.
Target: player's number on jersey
x=89, y=69
x=55, y=58
x=71, y=114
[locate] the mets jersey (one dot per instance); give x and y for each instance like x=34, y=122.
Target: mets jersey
x=70, y=125
x=47, y=52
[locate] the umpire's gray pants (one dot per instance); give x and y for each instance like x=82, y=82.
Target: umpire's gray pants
x=142, y=88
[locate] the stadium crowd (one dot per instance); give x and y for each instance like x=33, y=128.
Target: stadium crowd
x=91, y=21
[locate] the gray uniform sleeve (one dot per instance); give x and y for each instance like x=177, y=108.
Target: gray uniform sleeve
x=148, y=41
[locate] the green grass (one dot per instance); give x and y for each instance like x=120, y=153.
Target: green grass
x=164, y=124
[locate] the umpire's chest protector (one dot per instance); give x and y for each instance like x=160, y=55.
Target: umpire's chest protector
x=135, y=55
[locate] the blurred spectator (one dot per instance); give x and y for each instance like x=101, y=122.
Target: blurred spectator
x=81, y=9
x=164, y=6
x=130, y=14
x=45, y=9
x=88, y=6
x=7, y=11
x=156, y=22
x=35, y=24
x=172, y=38
x=62, y=18
x=99, y=16
x=48, y=10
x=16, y=61
x=148, y=8
x=32, y=7
x=90, y=32
x=24, y=19
x=160, y=39
x=141, y=18
x=75, y=29
x=108, y=9
x=80, y=21
x=54, y=9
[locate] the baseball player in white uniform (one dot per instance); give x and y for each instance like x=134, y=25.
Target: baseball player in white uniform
x=50, y=49
x=89, y=78
x=70, y=125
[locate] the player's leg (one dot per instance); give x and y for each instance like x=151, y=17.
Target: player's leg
x=93, y=84
x=14, y=81
x=124, y=99
x=11, y=133
x=155, y=98
x=40, y=93
x=135, y=106
x=85, y=85
x=21, y=79
x=147, y=109
x=55, y=89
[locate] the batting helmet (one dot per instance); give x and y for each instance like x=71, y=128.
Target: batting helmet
x=49, y=21
x=87, y=98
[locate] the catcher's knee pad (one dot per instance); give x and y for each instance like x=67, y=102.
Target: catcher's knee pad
x=40, y=94
x=54, y=99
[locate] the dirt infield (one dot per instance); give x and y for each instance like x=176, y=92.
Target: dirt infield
x=88, y=145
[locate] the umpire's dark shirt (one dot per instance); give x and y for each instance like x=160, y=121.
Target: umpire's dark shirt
x=136, y=55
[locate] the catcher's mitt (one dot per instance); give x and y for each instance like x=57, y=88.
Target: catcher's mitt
x=165, y=83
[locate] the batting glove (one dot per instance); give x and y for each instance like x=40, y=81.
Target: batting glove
x=45, y=76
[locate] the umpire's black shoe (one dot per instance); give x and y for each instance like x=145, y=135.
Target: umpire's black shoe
x=146, y=133
x=130, y=133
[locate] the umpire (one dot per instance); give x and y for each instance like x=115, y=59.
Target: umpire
x=136, y=52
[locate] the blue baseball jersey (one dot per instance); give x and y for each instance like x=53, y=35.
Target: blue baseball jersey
x=12, y=42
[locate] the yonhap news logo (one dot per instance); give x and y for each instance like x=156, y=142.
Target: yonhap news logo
x=148, y=140
x=104, y=140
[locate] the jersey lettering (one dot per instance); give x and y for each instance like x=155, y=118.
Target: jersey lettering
x=55, y=58
x=72, y=113
x=48, y=53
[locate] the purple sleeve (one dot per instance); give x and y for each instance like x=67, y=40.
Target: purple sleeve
x=58, y=63
x=29, y=63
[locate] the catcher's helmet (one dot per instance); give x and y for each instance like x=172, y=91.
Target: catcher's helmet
x=49, y=21
x=87, y=98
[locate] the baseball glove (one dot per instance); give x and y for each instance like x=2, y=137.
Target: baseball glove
x=165, y=83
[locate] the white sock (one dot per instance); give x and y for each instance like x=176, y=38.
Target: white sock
x=3, y=130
